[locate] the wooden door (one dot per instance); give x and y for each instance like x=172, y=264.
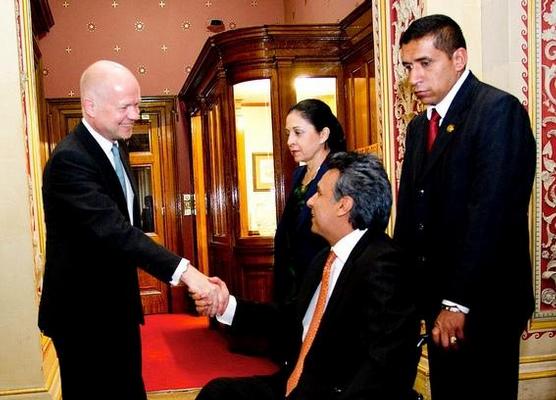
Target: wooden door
x=152, y=160
x=361, y=124
x=198, y=155
x=219, y=190
x=144, y=151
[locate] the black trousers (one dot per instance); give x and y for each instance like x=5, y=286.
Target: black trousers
x=97, y=364
x=484, y=366
x=250, y=388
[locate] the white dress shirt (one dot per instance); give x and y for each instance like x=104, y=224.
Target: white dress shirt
x=342, y=249
x=444, y=104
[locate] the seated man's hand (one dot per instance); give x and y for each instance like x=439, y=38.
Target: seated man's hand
x=205, y=305
x=210, y=294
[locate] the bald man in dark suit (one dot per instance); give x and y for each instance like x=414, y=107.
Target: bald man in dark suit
x=90, y=304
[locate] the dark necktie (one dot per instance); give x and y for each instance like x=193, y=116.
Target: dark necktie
x=314, y=325
x=433, y=129
x=119, y=167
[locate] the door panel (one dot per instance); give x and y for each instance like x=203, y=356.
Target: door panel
x=144, y=150
x=200, y=193
x=219, y=196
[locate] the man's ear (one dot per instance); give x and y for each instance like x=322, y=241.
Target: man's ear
x=459, y=58
x=89, y=106
x=345, y=204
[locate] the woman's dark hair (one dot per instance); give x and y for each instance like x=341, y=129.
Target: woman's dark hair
x=320, y=116
x=447, y=34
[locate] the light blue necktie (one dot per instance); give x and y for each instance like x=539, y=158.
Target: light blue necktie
x=119, y=167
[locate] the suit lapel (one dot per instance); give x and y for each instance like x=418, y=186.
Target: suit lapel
x=314, y=276
x=311, y=281
x=102, y=161
x=451, y=123
x=420, y=155
x=342, y=283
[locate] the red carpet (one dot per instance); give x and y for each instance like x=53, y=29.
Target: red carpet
x=181, y=352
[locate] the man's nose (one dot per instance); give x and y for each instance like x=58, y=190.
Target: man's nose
x=310, y=201
x=414, y=76
x=134, y=113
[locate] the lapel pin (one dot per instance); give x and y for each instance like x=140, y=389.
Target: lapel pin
x=450, y=128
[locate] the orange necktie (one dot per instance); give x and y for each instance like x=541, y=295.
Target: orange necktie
x=433, y=129
x=314, y=325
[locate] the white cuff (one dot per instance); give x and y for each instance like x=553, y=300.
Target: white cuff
x=228, y=316
x=449, y=303
x=181, y=268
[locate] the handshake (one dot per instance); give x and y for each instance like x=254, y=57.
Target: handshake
x=211, y=295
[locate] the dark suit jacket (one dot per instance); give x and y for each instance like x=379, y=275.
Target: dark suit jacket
x=295, y=245
x=462, y=210
x=365, y=347
x=92, y=250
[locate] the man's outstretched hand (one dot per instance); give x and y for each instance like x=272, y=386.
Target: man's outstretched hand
x=210, y=294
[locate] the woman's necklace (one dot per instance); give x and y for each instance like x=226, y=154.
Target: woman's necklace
x=309, y=176
x=310, y=173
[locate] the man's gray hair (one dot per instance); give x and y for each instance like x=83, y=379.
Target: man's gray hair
x=363, y=178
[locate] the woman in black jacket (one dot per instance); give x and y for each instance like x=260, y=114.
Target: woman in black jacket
x=314, y=134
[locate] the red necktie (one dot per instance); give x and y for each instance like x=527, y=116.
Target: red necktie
x=433, y=129
x=314, y=325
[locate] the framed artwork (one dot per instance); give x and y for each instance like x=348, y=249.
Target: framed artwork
x=263, y=172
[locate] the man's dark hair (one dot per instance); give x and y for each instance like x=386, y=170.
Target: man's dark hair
x=363, y=178
x=448, y=36
x=320, y=116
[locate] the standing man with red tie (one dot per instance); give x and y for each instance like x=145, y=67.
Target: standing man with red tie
x=352, y=331
x=462, y=214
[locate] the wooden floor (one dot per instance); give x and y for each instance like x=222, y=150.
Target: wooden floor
x=188, y=394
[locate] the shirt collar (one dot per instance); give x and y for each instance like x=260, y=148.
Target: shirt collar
x=104, y=143
x=443, y=106
x=345, y=245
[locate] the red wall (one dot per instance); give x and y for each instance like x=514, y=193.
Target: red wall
x=115, y=24
x=133, y=33
x=318, y=11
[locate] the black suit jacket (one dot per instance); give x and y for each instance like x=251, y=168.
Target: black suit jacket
x=295, y=245
x=92, y=250
x=462, y=210
x=365, y=347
